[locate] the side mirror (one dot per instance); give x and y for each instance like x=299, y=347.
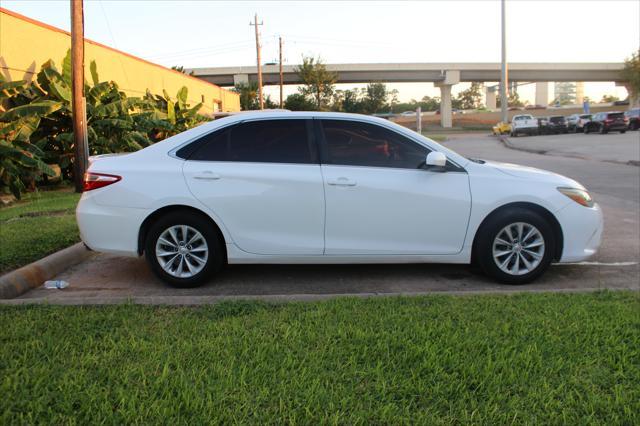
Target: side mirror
x=436, y=161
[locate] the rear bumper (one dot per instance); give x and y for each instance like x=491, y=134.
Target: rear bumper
x=109, y=229
x=582, y=231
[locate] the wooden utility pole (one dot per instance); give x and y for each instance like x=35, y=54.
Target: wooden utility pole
x=78, y=111
x=260, y=96
x=281, y=77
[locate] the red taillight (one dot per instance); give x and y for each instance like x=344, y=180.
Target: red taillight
x=98, y=180
x=608, y=120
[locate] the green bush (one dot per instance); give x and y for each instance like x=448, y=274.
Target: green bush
x=36, y=129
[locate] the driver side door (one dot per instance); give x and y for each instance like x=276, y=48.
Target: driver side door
x=380, y=200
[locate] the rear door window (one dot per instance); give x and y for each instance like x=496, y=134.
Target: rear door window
x=261, y=141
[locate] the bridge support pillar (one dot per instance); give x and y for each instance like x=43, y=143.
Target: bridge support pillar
x=542, y=93
x=240, y=79
x=490, y=98
x=579, y=93
x=450, y=78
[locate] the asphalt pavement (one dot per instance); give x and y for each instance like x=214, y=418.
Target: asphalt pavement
x=614, y=185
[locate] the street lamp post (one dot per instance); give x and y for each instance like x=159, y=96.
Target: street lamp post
x=504, y=78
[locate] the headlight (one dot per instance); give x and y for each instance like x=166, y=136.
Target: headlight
x=580, y=196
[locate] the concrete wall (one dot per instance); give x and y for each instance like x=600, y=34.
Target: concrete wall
x=26, y=44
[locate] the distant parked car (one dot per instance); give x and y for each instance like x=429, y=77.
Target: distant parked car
x=543, y=125
x=572, y=120
x=633, y=115
x=605, y=122
x=501, y=128
x=622, y=102
x=557, y=124
x=408, y=114
x=528, y=107
x=582, y=121
x=523, y=123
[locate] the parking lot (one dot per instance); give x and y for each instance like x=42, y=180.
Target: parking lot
x=605, y=164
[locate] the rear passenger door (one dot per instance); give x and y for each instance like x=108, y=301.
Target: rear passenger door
x=262, y=179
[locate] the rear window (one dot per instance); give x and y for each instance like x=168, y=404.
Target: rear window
x=557, y=119
x=615, y=115
x=585, y=116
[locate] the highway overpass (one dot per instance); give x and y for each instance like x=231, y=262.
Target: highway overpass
x=443, y=75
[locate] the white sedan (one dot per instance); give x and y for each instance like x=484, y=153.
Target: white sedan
x=288, y=187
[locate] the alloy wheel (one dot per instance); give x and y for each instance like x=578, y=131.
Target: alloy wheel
x=518, y=248
x=182, y=251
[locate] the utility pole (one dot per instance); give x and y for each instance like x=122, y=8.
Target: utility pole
x=504, y=78
x=78, y=109
x=281, y=77
x=260, y=96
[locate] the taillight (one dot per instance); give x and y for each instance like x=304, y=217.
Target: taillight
x=98, y=180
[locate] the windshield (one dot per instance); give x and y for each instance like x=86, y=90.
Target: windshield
x=557, y=119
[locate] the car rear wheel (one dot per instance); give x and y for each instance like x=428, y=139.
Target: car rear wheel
x=515, y=246
x=183, y=249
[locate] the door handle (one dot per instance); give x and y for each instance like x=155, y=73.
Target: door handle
x=207, y=176
x=341, y=181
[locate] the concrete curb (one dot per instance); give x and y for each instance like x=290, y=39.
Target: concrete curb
x=17, y=282
x=280, y=298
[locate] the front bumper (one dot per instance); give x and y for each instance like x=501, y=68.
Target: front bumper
x=582, y=230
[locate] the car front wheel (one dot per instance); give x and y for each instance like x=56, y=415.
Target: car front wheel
x=515, y=246
x=183, y=249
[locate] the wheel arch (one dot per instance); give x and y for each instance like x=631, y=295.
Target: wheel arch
x=149, y=220
x=550, y=217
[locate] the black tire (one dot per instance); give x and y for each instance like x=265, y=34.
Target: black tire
x=623, y=131
x=483, y=245
x=216, y=255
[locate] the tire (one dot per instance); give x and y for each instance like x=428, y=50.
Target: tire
x=192, y=264
x=487, y=246
x=623, y=131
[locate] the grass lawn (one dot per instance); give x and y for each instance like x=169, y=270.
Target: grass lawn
x=523, y=359
x=42, y=223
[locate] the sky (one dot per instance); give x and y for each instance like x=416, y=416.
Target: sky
x=217, y=33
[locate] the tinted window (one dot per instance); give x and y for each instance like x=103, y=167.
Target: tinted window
x=557, y=119
x=616, y=115
x=264, y=141
x=361, y=144
x=211, y=147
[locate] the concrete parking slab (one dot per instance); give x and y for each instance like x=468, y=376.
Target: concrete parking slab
x=614, y=146
x=107, y=278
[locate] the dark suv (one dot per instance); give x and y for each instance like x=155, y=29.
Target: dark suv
x=605, y=122
x=557, y=124
x=633, y=115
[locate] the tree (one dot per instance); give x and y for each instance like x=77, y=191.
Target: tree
x=513, y=100
x=319, y=83
x=609, y=98
x=631, y=75
x=375, y=98
x=298, y=102
x=181, y=69
x=393, y=94
x=471, y=98
x=248, y=95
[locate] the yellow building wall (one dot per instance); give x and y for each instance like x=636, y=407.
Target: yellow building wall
x=26, y=44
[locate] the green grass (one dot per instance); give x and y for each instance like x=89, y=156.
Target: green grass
x=523, y=359
x=42, y=223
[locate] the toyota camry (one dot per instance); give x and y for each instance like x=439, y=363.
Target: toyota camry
x=307, y=188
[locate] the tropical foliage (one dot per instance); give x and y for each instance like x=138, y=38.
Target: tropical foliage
x=36, y=130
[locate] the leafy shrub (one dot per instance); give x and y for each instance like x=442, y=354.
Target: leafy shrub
x=36, y=127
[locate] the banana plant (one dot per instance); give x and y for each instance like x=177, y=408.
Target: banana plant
x=36, y=124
